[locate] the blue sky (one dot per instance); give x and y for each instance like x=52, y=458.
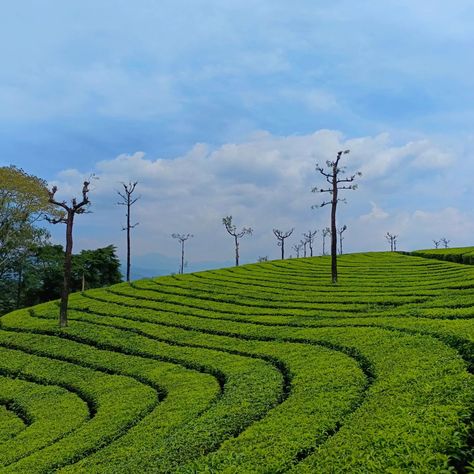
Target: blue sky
x=83, y=83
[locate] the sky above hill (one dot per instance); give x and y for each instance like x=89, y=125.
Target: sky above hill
x=221, y=108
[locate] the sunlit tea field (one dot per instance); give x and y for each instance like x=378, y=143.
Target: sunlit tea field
x=260, y=368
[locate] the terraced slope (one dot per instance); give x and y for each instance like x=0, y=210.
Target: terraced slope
x=456, y=254
x=261, y=368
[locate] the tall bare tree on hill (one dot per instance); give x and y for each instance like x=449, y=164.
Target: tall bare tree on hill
x=341, y=238
x=392, y=238
x=436, y=242
x=232, y=230
x=445, y=242
x=182, y=239
x=297, y=249
x=128, y=200
x=281, y=236
x=309, y=237
x=304, y=244
x=325, y=232
x=69, y=212
x=334, y=176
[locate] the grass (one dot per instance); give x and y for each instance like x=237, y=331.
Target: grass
x=259, y=368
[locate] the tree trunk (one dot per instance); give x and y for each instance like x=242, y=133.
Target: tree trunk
x=283, y=249
x=236, y=251
x=333, y=229
x=128, y=238
x=340, y=244
x=67, y=271
x=182, y=257
x=310, y=249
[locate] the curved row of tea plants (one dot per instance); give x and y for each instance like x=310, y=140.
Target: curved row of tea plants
x=458, y=254
x=260, y=368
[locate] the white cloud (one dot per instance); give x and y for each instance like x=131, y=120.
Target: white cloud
x=264, y=183
x=375, y=213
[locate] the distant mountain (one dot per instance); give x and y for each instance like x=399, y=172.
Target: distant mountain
x=156, y=264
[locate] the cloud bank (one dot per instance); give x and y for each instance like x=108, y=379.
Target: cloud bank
x=265, y=182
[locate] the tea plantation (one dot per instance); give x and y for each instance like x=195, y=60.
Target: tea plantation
x=260, y=368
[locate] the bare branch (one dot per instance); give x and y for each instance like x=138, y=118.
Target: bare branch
x=280, y=235
x=182, y=237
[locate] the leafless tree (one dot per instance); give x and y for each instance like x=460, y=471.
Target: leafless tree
x=309, y=237
x=304, y=244
x=436, y=242
x=445, y=242
x=325, y=233
x=281, y=236
x=262, y=259
x=392, y=239
x=182, y=239
x=297, y=249
x=341, y=238
x=128, y=200
x=69, y=211
x=337, y=183
x=232, y=230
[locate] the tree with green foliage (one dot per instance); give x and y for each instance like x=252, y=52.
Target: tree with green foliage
x=67, y=217
x=23, y=202
x=232, y=230
x=43, y=275
x=333, y=175
x=95, y=268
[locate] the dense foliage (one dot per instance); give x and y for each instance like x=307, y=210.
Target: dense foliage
x=23, y=201
x=40, y=276
x=31, y=269
x=259, y=368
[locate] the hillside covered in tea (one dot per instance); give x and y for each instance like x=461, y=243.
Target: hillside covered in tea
x=260, y=368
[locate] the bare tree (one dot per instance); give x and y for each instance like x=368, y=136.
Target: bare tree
x=281, y=236
x=232, y=230
x=336, y=184
x=392, y=238
x=262, y=259
x=309, y=237
x=297, y=249
x=341, y=238
x=128, y=201
x=436, y=242
x=304, y=244
x=182, y=239
x=445, y=242
x=325, y=232
x=68, y=218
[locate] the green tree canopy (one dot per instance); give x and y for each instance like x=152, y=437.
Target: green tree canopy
x=23, y=202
